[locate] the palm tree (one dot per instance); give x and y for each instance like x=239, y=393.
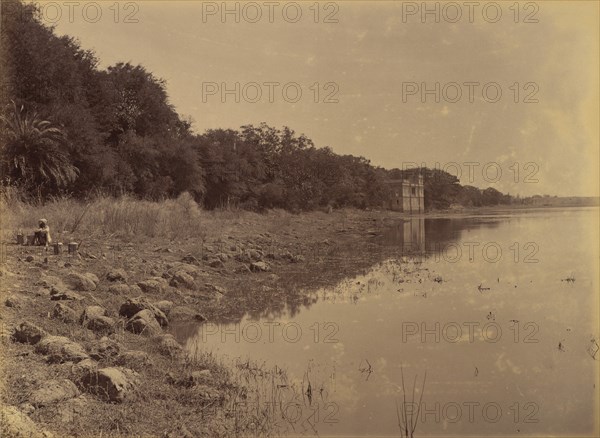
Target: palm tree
x=33, y=150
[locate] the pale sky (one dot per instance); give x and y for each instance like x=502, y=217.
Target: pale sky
x=371, y=53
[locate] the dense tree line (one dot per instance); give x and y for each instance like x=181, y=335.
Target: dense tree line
x=69, y=127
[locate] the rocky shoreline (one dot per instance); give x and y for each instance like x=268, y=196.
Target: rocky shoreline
x=86, y=342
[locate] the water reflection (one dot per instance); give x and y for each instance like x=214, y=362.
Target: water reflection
x=331, y=263
x=432, y=236
x=354, y=337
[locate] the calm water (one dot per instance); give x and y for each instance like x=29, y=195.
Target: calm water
x=499, y=311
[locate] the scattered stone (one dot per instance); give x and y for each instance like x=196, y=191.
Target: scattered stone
x=119, y=289
x=144, y=323
x=104, y=349
x=254, y=254
x=218, y=289
x=181, y=278
x=60, y=349
x=26, y=408
x=259, y=267
x=92, y=312
x=135, y=305
x=110, y=384
x=243, y=257
x=222, y=256
x=86, y=365
x=53, y=391
x=58, y=294
x=83, y=282
x=14, y=301
x=192, y=270
x=168, y=345
x=155, y=285
x=182, y=313
x=297, y=258
x=117, y=275
x=243, y=269
x=190, y=259
x=29, y=258
x=28, y=333
x=134, y=359
x=100, y=324
x=64, y=313
x=164, y=306
x=48, y=281
x=73, y=408
x=216, y=263
x=14, y=423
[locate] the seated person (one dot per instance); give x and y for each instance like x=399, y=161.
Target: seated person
x=42, y=234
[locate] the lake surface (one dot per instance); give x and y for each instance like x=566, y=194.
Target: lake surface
x=499, y=311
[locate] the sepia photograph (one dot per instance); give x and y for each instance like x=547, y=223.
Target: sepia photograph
x=299, y=218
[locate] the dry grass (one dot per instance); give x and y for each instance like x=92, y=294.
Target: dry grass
x=126, y=217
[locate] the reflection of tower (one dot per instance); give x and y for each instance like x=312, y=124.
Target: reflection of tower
x=413, y=236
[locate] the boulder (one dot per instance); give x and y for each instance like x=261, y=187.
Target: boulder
x=53, y=391
x=64, y=313
x=222, y=256
x=144, y=323
x=192, y=270
x=181, y=313
x=92, y=312
x=254, y=255
x=72, y=409
x=168, y=345
x=299, y=258
x=117, y=275
x=104, y=349
x=60, y=349
x=60, y=294
x=15, y=301
x=48, y=281
x=216, y=289
x=14, y=423
x=119, y=289
x=155, y=285
x=259, y=267
x=134, y=359
x=86, y=365
x=83, y=282
x=134, y=305
x=94, y=318
x=164, y=306
x=100, y=324
x=216, y=263
x=110, y=384
x=28, y=333
x=190, y=259
x=182, y=279
x=243, y=269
